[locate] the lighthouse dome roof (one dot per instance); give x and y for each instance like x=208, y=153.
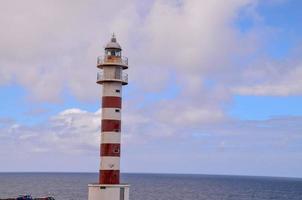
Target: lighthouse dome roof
x=113, y=44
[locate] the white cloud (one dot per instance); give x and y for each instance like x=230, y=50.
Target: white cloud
x=58, y=44
x=70, y=131
x=183, y=43
x=51, y=46
x=70, y=141
x=187, y=42
x=273, y=79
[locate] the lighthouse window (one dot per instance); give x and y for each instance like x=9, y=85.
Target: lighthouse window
x=110, y=52
x=118, y=53
x=117, y=110
x=113, y=52
x=116, y=150
x=117, y=91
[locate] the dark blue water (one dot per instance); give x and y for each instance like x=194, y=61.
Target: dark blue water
x=73, y=186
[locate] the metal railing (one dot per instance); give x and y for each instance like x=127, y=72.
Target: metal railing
x=122, y=77
x=112, y=60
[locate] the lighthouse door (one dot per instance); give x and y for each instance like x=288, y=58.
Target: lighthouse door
x=122, y=193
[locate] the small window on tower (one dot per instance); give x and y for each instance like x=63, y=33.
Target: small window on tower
x=117, y=110
x=117, y=91
x=117, y=150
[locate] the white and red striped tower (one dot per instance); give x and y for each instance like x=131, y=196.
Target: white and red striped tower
x=112, y=78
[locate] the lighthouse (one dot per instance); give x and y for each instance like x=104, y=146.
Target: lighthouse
x=112, y=77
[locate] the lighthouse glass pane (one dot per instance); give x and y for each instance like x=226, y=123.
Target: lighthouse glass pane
x=113, y=52
x=118, y=53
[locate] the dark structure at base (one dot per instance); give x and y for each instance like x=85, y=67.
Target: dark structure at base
x=28, y=197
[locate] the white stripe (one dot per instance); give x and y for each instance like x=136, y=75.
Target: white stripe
x=110, y=163
x=111, y=137
x=109, y=89
x=111, y=113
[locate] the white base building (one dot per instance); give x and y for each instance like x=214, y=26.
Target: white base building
x=108, y=192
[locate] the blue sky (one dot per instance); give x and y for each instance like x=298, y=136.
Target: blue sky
x=216, y=85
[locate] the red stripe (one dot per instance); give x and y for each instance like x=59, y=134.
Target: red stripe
x=109, y=177
x=111, y=102
x=111, y=125
x=111, y=150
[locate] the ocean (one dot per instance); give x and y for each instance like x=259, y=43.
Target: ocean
x=73, y=186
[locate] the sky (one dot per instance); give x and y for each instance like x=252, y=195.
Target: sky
x=215, y=86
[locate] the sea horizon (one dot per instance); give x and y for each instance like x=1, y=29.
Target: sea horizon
x=153, y=186
x=154, y=173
